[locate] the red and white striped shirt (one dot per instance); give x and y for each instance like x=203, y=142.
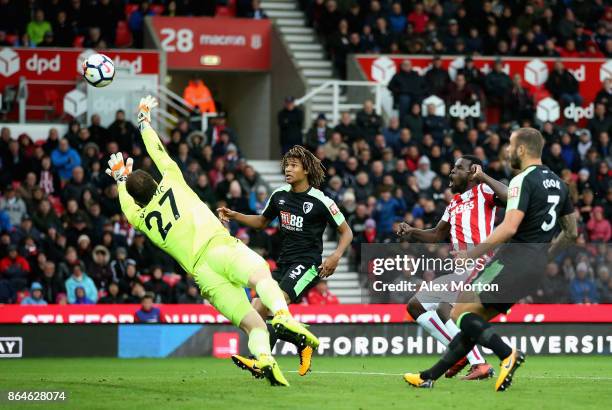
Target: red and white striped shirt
x=471, y=216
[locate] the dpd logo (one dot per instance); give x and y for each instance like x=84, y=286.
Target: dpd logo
x=39, y=65
x=463, y=111
x=9, y=62
x=576, y=112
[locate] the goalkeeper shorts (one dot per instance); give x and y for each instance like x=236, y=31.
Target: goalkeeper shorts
x=223, y=272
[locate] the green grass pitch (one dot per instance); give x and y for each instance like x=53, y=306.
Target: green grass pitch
x=560, y=382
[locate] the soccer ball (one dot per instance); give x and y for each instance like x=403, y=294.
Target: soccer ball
x=98, y=70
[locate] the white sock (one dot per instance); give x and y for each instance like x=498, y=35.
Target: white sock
x=474, y=356
x=431, y=322
x=271, y=295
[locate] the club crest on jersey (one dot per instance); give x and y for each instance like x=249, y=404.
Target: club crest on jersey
x=307, y=207
x=466, y=196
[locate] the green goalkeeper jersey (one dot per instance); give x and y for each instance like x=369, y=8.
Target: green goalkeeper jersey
x=176, y=220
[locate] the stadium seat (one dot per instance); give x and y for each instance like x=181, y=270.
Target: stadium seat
x=123, y=35
x=78, y=42
x=129, y=9
x=158, y=9
x=171, y=279
x=12, y=38
x=223, y=11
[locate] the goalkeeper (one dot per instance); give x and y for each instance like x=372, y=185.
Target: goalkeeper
x=172, y=216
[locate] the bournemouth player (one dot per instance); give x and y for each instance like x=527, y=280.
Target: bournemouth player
x=468, y=219
x=172, y=216
x=538, y=203
x=304, y=212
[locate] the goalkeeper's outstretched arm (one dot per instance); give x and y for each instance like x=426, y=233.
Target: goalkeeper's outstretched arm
x=155, y=148
x=119, y=171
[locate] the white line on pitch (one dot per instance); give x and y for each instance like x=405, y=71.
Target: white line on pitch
x=602, y=378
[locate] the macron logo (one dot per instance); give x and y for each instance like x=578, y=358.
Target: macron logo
x=9, y=62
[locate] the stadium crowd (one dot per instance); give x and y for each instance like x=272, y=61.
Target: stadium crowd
x=382, y=173
x=63, y=237
x=101, y=23
x=503, y=28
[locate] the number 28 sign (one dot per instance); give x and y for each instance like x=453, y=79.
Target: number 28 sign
x=215, y=44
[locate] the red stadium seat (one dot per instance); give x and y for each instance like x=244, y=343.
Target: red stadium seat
x=171, y=279
x=223, y=11
x=129, y=9
x=158, y=9
x=56, y=203
x=78, y=42
x=12, y=38
x=123, y=35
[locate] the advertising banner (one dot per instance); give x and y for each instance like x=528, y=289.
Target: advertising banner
x=62, y=68
x=590, y=74
x=214, y=44
x=381, y=339
x=375, y=313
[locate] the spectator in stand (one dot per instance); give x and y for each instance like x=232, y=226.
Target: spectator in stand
x=65, y=159
x=15, y=268
x=197, y=94
x=434, y=124
x=36, y=295
x=407, y=88
x=290, y=123
x=582, y=288
x=498, y=86
x=14, y=207
x=598, y=227
x=563, y=86
x=368, y=121
x=192, y=296
x=553, y=288
x=257, y=12
x=62, y=30
x=147, y=312
x=604, y=96
x=52, y=284
x=79, y=279
x=349, y=130
x=158, y=287
x=321, y=295
x=333, y=147
x=436, y=78
x=388, y=211
x=397, y=19
x=80, y=297
x=603, y=278
x=113, y=297
x=318, y=134
x=38, y=27
x=424, y=174
x=123, y=132
x=136, y=23
x=601, y=121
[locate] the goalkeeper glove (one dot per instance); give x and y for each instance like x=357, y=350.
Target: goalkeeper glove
x=144, y=110
x=118, y=169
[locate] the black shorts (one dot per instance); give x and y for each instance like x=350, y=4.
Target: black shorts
x=516, y=271
x=296, y=279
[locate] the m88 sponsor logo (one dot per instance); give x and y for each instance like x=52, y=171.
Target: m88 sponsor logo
x=291, y=222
